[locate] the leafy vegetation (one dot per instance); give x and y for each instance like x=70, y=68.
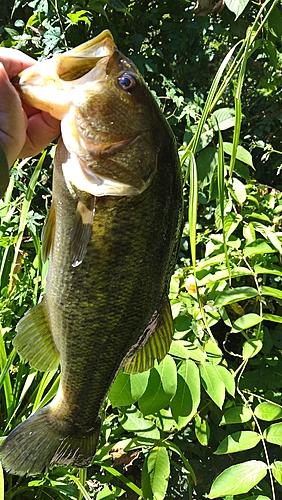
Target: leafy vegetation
x=207, y=419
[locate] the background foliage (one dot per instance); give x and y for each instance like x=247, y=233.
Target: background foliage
x=207, y=420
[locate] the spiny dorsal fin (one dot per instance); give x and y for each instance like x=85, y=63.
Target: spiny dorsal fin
x=34, y=341
x=48, y=233
x=157, y=345
x=82, y=229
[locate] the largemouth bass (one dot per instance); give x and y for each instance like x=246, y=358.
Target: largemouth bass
x=112, y=236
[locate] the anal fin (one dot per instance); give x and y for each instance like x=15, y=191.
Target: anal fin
x=156, y=346
x=34, y=341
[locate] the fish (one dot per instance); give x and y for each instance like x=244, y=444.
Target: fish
x=111, y=236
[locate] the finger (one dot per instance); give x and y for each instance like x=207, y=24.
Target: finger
x=13, y=121
x=14, y=61
x=42, y=129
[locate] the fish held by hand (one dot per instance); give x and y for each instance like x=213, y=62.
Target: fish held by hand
x=112, y=237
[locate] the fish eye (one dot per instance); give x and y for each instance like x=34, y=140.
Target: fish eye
x=127, y=81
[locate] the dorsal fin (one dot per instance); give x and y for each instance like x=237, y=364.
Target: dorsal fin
x=82, y=229
x=157, y=345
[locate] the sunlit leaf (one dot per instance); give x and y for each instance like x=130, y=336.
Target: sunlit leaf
x=212, y=383
x=213, y=352
x=247, y=321
x=238, y=190
x=133, y=421
x=273, y=434
x=235, y=295
x=271, y=291
x=187, y=398
x=242, y=154
x=227, y=378
x=268, y=411
x=178, y=349
x=202, y=430
x=276, y=469
x=258, y=247
x=225, y=118
x=236, y=415
x=155, y=474
x=127, y=389
x=238, y=479
x=161, y=387
x=239, y=441
x=251, y=348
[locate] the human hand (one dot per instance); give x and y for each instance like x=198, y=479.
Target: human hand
x=24, y=130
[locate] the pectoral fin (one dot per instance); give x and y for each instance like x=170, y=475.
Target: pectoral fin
x=34, y=341
x=82, y=229
x=157, y=345
x=48, y=233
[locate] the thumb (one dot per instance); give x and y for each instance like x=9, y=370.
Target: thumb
x=13, y=121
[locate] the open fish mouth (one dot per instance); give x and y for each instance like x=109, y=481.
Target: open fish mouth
x=49, y=85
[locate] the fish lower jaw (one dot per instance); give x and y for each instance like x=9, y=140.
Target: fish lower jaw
x=79, y=176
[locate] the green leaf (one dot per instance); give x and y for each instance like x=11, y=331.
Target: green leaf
x=276, y=468
x=213, y=352
x=273, y=434
x=155, y=474
x=202, y=430
x=238, y=479
x=165, y=421
x=239, y=441
x=120, y=394
x=227, y=379
x=236, y=415
x=212, y=383
x=235, y=295
x=225, y=118
x=208, y=160
x=106, y=494
x=133, y=421
x=187, y=398
x=231, y=222
x=161, y=387
x=178, y=349
x=271, y=291
x=254, y=497
x=247, y=321
x=238, y=190
x=258, y=247
x=265, y=270
x=268, y=411
x=272, y=317
x=242, y=154
x=221, y=275
x=251, y=348
x=268, y=234
x=127, y=389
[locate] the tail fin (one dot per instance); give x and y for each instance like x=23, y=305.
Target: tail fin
x=36, y=444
